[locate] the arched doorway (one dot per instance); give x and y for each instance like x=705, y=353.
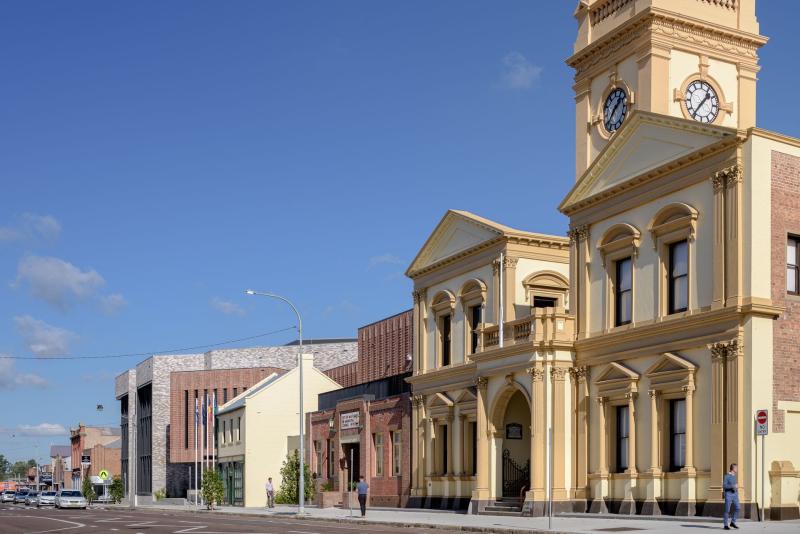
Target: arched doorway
x=515, y=463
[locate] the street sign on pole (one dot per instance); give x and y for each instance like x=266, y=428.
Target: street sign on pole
x=762, y=429
x=762, y=422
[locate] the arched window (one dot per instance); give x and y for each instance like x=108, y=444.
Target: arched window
x=619, y=247
x=673, y=231
x=473, y=302
x=546, y=289
x=443, y=305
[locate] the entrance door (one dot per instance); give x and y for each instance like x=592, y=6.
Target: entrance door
x=352, y=457
x=516, y=465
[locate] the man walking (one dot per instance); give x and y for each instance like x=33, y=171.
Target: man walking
x=270, y=494
x=362, y=488
x=731, y=489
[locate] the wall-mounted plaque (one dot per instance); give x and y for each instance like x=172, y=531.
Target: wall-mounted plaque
x=513, y=431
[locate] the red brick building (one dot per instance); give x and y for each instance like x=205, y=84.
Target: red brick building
x=365, y=429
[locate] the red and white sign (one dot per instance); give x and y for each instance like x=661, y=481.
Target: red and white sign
x=762, y=422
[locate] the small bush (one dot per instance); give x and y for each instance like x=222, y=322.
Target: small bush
x=117, y=490
x=290, y=472
x=160, y=494
x=213, y=490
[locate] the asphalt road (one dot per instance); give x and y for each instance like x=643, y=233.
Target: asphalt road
x=19, y=519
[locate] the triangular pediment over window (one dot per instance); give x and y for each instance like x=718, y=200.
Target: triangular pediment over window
x=671, y=371
x=617, y=379
x=646, y=143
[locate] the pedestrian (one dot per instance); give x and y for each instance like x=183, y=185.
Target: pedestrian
x=362, y=488
x=270, y=494
x=731, y=489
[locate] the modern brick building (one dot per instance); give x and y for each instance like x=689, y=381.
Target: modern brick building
x=148, y=403
x=100, y=444
x=369, y=421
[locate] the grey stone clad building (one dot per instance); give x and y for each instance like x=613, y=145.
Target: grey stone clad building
x=144, y=395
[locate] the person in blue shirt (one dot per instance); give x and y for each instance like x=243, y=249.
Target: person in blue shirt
x=731, y=489
x=362, y=488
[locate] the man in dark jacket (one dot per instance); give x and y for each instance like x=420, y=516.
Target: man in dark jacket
x=731, y=488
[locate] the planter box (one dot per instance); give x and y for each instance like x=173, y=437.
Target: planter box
x=328, y=499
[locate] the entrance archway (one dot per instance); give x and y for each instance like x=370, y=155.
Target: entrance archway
x=512, y=424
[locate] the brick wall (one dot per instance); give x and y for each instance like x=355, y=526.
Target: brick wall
x=785, y=221
x=384, y=347
x=188, y=381
x=345, y=375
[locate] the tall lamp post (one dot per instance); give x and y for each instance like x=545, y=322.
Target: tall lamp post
x=302, y=492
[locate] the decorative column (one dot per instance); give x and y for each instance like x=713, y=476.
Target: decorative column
x=718, y=183
x=717, y=442
x=581, y=436
x=688, y=503
x=689, y=463
x=461, y=469
x=496, y=289
x=733, y=231
x=579, y=238
x=450, y=445
x=631, y=397
x=430, y=429
x=600, y=489
x=538, y=440
x=480, y=495
x=654, y=486
x=735, y=423
x=417, y=444
x=557, y=375
x=509, y=291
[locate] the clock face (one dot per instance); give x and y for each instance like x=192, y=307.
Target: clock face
x=702, y=102
x=615, y=109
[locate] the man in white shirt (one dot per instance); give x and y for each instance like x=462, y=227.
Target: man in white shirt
x=270, y=494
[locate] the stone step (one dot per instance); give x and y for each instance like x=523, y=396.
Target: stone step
x=504, y=513
x=506, y=505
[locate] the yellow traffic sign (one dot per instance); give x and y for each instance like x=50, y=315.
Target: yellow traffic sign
x=104, y=474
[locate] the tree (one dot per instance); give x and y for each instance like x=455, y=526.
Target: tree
x=117, y=490
x=31, y=463
x=5, y=466
x=290, y=472
x=213, y=491
x=19, y=469
x=88, y=491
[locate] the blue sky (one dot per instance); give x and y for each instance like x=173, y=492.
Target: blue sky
x=159, y=158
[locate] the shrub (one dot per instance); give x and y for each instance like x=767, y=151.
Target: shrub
x=160, y=494
x=290, y=473
x=117, y=490
x=88, y=491
x=213, y=490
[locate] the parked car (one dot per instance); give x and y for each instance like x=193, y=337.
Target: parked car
x=8, y=496
x=70, y=499
x=20, y=495
x=46, y=498
x=32, y=498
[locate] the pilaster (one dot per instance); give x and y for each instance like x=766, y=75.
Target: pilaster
x=480, y=494
x=733, y=235
x=509, y=289
x=600, y=485
x=718, y=183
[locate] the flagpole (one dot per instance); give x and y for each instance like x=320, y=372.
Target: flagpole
x=196, y=488
x=214, y=433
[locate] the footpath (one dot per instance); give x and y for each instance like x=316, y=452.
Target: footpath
x=454, y=521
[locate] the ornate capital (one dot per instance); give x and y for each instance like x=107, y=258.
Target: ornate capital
x=727, y=177
x=495, y=266
x=558, y=373
x=482, y=383
x=688, y=389
x=602, y=400
x=537, y=373
x=631, y=395
x=725, y=349
x=509, y=262
x=653, y=393
x=419, y=295
x=417, y=401
x=578, y=233
x=579, y=373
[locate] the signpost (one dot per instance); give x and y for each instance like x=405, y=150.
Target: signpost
x=762, y=429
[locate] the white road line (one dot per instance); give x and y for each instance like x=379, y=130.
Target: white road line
x=76, y=525
x=301, y=531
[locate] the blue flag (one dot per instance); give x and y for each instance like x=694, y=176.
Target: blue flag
x=196, y=412
x=205, y=414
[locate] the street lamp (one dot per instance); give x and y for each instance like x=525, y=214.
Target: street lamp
x=302, y=492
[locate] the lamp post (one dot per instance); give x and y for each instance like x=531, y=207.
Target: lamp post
x=302, y=493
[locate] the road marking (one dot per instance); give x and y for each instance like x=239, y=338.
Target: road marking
x=301, y=531
x=77, y=525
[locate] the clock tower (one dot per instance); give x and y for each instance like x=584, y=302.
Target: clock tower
x=695, y=59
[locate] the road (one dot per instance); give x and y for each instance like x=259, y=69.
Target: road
x=19, y=519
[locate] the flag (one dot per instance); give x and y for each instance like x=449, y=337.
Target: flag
x=196, y=411
x=205, y=414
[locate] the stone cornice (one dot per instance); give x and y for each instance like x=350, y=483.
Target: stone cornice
x=458, y=376
x=680, y=28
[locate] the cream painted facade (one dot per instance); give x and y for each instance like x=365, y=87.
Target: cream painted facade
x=484, y=401
x=662, y=181
x=255, y=428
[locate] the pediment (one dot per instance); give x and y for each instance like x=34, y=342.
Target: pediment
x=457, y=232
x=616, y=372
x=466, y=396
x=671, y=363
x=646, y=142
x=440, y=400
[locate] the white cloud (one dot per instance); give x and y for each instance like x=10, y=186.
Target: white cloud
x=384, y=259
x=42, y=429
x=44, y=339
x=113, y=303
x=227, y=307
x=32, y=225
x=45, y=226
x=11, y=379
x=518, y=72
x=57, y=281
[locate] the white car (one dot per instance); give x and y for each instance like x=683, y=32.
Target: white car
x=70, y=499
x=46, y=498
x=8, y=496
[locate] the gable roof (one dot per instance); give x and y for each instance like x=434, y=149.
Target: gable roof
x=241, y=399
x=644, y=145
x=460, y=233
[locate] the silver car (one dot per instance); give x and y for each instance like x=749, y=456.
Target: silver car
x=20, y=496
x=32, y=498
x=46, y=498
x=8, y=496
x=70, y=499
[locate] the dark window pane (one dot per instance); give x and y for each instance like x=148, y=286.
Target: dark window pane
x=680, y=293
x=446, y=340
x=544, y=302
x=623, y=289
x=624, y=275
x=622, y=438
x=680, y=258
x=678, y=277
x=677, y=434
